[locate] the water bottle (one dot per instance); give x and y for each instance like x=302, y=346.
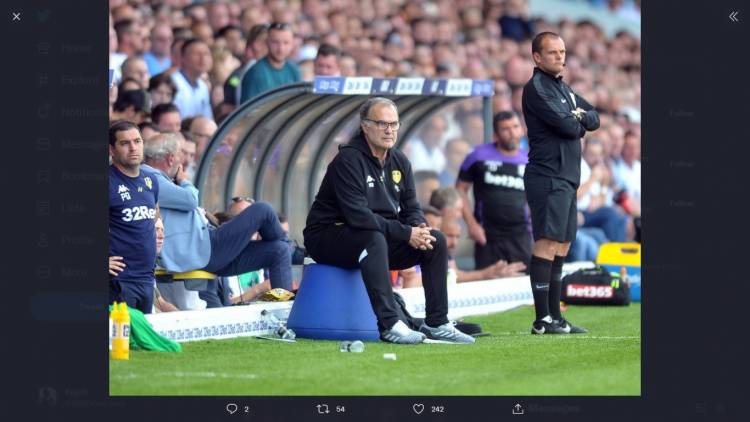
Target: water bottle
x=285, y=333
x=112, y=332
x=121, y=338
x=355, y=346
x=452, y=277
x=277, y=326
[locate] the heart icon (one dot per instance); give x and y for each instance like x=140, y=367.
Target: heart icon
x=418, y=408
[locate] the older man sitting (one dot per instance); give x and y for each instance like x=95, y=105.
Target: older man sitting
x=191, y=242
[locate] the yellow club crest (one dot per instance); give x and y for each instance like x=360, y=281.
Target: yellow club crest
x=396, y=175
x=147, y=180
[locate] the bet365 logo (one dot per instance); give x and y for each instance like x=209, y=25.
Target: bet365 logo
x=590, y=292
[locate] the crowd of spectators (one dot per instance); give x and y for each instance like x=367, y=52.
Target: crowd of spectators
x=180, y=67
x=442, y=38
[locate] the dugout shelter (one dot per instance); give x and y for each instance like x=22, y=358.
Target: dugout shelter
x=276, y=147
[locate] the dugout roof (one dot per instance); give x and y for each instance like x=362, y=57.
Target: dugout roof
x=276, y=147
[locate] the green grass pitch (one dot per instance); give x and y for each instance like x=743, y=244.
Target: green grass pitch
x=606, y=361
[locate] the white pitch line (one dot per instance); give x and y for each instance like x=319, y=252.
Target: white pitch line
x=189, y=375
x=578, y=336
x=567, y=336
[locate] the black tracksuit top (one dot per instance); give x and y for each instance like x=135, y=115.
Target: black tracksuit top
x=359, y=192
x=554, y=133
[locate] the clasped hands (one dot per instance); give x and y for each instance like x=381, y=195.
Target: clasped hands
x=421, y=238
x=578, y=113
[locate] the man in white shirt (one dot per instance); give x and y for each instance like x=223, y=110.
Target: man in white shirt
x=425, y=152
x=193, y=97
x=115, y=57
x=627, y=170
x=595, y=196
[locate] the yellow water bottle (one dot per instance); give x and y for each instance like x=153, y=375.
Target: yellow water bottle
x=121, y=340
x=112, y=326
x=114, y=316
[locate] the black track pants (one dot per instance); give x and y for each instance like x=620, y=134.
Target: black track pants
x=375, y=256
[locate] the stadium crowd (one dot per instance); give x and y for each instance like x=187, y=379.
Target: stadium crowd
x=181, y=66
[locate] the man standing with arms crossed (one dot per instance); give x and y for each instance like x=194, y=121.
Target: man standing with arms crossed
x=556, y=118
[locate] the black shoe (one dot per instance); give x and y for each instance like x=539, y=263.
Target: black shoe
x=543, y=327
x=298, y=253
x=568, y=327
x=468, y=328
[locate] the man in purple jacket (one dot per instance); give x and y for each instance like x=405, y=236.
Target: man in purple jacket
x=500, y=223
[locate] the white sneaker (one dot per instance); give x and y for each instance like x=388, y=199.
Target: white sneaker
x=446, y=332
x=402, y=334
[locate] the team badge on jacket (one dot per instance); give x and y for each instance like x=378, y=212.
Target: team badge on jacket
x=396, y=175
x=147, y=180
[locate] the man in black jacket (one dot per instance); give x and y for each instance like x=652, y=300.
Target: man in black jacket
x=556, y=118
x=366, y=216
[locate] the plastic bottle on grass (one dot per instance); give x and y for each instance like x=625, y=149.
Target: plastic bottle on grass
x=355, y=346
x=279, y=328
x=121, y=338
